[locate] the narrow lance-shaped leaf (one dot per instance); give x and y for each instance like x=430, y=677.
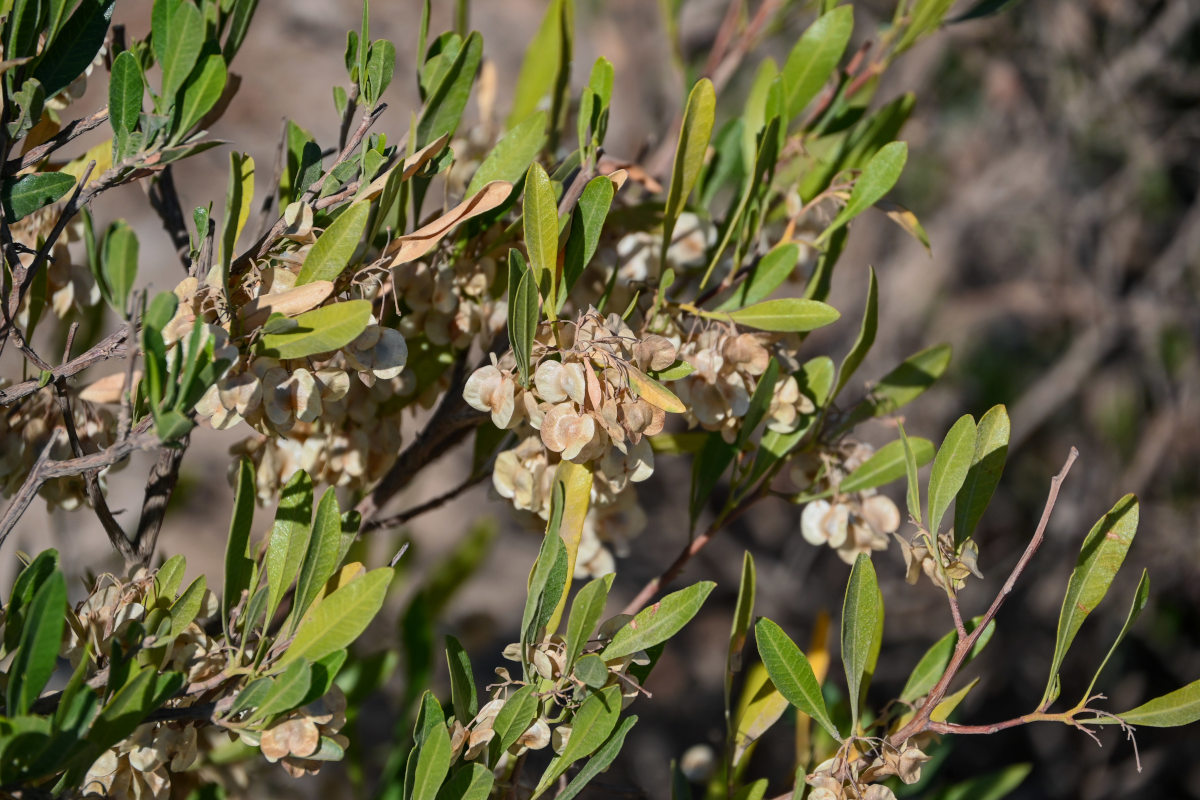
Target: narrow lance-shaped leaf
x=586, y=223
x=187, y=606
x=288, y=539
x=514, y=718
x=913, y=493
x=444, y=108
x=1140, y=596
x=576, y=480
x=743, y=616
x=37, y=653
x=238, y=565
x=600, y=761
x=320, y=557
x=462, y=681
x=950, y=467
x=586, y=610
x=886, y=465
x=540, y=214
x=126, y=89
x=334, y=248
x=201, y=92
x=522, y=312
x=765, y=277
x=659, y=622
x=75, y=46
x=903, y=384
x=792, y=674
x=784, y=315
x=866, y=334
x=987, y=464
x=591, y=726
x=340, y=617
x=321, y=330
x=468, y=781
x=539, y=69
x=177, y=35
x=877, y=179
x=512, y=155
x=694, y=134
x=815, y=56
x=548, y=578
x=119, y=265
x=239, y=196
x=862, y=618
x=1177, y=708
x=933, y=664
x=1102, y=554
x=433, y=762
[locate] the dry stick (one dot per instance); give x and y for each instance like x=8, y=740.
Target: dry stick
x=66, y=135
x=111, y=346
x=920, y=720
x=29, y=489
x=267, y=241
x=91, y=479
x=161, y=482
x=268, y=203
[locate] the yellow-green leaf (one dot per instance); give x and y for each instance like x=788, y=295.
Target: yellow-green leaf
x=319, y=331
x=339, y=619
x=654, y=392
x=694, y=134
x=335, y=247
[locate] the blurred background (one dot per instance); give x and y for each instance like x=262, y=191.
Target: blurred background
x=1054, y=163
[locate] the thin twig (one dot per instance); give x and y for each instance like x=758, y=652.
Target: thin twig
x=111, y=346
x=396, y=520
x=160, y=485
x=920, y=720
x=67, y=134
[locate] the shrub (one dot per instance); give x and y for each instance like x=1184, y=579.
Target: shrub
x=577, y=316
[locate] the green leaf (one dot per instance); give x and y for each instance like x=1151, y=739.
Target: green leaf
x=743, y=617
x=540, y=67
x=592, y=670
x=904, y=383
x=177, y=36
x=334, y=248
x=586, y=224
x=950, y=467
x=187, y=606
x=433, y=763
x=445, y=105
x=77, y=43
x=760, y=403
x=913, y=495
x=866, y=334
x=540, y=215
x=600, y=761
x=1140, y=596
x=792, y=673
x=659, y=622
x=707, y=468
x=169, y=577
x=548, y=579
x=815, y=56
x=586, y=610
x=509, y=159
x=126, y=89
x=469, y=781
x=340, y=617
x=28, y=582
x=522, y=312
x=321, y=330
x=288, y=540
x=1102, y=554
x=1180, y=707
x=784, y=315
x=515, y=717
x=591, y=726
x=381, y=63
x=694, y=134
x=462, y=681
x=285, y=692
x=765, y=277
x=987, y=464
x=41, y=636
x=887, y=464
x=321, y=556
x=28, y=193
x=119, y=265
x=239, y=566
x=862, y=625
x=678, y=370
x=933, y=664
x=877, y=179
x=200, y=93
x=239, y=195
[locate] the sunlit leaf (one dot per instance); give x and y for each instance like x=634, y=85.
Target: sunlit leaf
x=765, y=277
x=791, y=673
x=987, y=464
x=862, y=623
x=26, y=194
x=658, y=622
x=462, y=681
x=877, y=179
x=697, y=127
x=654, y=392
x=522, y=312
x=950, y=467
x=37, y=653
x=334, y=248
x=886, y=465
x=509, y=159
x=1101, y=556
x=600, y=761
x=785, y=315
x=591, y=726
x=320, y=557
x=416, y=244
x=339, y=618
x=815, y=56
x=321, y=330
x=933, y=664
x=288, y=539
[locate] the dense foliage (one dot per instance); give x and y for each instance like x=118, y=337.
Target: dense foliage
x=577, y=316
